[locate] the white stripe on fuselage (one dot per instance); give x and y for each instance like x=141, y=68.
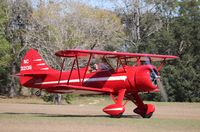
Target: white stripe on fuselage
x=115, y=78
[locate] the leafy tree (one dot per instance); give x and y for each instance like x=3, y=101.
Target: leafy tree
x=150, y=26
x=5, y=49
x=181, y=36
x=16, y=28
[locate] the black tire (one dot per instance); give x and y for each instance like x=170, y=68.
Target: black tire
x=116, y=116
x=147, y=115
x=38, y=93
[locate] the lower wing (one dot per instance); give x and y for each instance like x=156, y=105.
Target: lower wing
x=71, y=88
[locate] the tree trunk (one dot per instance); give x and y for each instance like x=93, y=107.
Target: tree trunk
x=137, y=20
x=57, y=99
x=12, y=85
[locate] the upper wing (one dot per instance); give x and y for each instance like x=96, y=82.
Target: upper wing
x=109, y=54
x=62, y=88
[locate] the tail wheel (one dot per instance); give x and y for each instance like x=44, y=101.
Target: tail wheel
x=38, y=93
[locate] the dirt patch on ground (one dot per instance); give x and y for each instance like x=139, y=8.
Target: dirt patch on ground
x=90, y=118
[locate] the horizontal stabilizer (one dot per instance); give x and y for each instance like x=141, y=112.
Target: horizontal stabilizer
x=30, y=74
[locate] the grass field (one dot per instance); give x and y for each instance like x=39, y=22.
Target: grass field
x=85, y=115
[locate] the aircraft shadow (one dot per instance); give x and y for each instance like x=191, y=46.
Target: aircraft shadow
x=71, y=115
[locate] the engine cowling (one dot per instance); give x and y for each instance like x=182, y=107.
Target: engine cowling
x=146, y=78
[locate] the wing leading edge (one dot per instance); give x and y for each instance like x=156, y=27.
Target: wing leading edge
x=109, y=54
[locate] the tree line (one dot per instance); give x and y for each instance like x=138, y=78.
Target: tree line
x=139, y=26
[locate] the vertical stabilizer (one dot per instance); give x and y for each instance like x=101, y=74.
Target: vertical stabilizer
x=32, y=63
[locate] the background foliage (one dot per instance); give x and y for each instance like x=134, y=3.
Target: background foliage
x=146, y=26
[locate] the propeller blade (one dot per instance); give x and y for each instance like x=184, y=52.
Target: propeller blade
x=162, y=91
x=159, y=83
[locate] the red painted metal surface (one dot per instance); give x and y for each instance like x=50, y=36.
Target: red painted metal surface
x=82, y=53
x=125, y=81
x=114, y=109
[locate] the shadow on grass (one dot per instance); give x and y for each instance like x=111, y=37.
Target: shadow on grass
x=70, y=115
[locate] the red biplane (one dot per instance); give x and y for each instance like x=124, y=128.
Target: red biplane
x=121, y=75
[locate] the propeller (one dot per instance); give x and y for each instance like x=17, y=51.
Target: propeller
x=156, y=81
x=162, y=90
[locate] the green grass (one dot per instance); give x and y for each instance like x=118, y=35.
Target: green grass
x=23, y=100
x=128, y=124
x=85, y=115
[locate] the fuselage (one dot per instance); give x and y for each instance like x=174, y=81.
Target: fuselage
x=122, y=78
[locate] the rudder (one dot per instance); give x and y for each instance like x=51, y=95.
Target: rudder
x=32, y=65
x=32, y=62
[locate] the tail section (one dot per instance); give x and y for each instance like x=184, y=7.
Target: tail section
x=32, y=65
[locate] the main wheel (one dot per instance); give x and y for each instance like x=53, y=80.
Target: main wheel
x=147, y=115
x=146, y=112
x=116, y=116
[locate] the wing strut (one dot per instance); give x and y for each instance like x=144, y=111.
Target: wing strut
x=86, y=68
x=117, y=64
x=78, y=68
x=161, y=65
x=122, y=64
x=71, y=71
x=61, y=71
x=138, y=61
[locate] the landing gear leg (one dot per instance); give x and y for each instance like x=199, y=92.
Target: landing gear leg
x=116, y=110
x=145, y=110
